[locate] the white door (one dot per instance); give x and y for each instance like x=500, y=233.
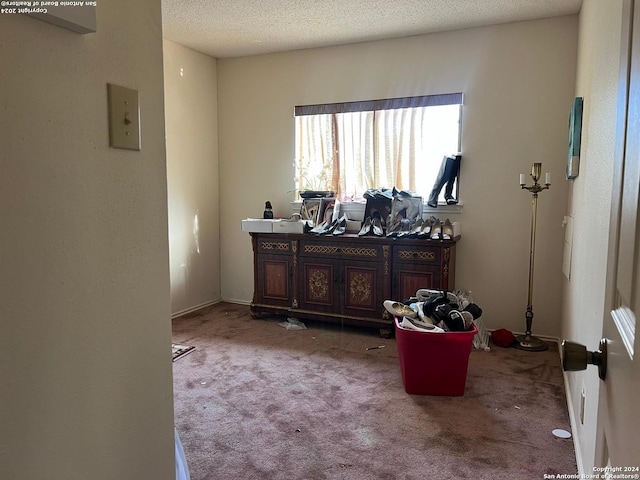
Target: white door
x=618, y=428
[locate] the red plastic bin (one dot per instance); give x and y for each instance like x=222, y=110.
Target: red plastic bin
x=434, y=363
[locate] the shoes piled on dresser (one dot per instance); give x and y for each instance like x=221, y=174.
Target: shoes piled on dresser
x=372, y=226
x=431, y=229
x=329, y=227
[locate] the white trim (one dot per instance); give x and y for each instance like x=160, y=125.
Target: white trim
x=549, y=338
x=237, y=302
x=443, y=208
x=573, y=420
x=193, y=309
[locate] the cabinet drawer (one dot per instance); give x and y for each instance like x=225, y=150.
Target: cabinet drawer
x=274, y=246
x=417, y=254
x=337, y=250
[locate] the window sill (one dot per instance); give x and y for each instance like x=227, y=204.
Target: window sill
x=442, y=208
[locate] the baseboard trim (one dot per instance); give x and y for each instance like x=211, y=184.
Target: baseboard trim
x=193, y=309
x=573, y=420
x=237, y=302
x=548, y=338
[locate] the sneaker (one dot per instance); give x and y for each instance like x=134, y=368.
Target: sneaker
x=468, y=319
x=474, y=309
x=441, y=314
x=457, y=322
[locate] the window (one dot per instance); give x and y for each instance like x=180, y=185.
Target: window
x=351, y=147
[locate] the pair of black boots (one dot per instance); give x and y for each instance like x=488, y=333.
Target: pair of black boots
x=447, y=176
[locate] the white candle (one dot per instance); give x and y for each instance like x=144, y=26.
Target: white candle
x=522, y=182
x=547, y=178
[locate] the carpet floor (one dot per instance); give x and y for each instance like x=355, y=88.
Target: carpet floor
x=257, y=401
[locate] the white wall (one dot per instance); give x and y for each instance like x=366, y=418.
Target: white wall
x=518, y=81
x=192, y=174
x=590, y=204
x=85, y=327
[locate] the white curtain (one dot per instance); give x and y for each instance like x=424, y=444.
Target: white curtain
x=356, y=147
x=398, y=146
x=314, y=152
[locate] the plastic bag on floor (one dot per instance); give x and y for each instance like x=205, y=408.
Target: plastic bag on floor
x=481, y=339
x=293, y=324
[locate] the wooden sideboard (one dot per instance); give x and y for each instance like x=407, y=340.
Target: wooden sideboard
x=345, y=278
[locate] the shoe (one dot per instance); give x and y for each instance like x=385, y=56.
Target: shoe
x=436, y=230
x=407, y=325
x=441, y=312
x=468, y=319
x=366, y=227
x=416, y=227
x=426, y=228
x=447, y=230
x=341, y=227
x=405, y=228
x=393, y=228
x=423, y=318
x=413, y=324
x=400, y=193
x=425, y=294
x=399, y=309
x=376, y=227
x=474, y=310
x=451, y=201
x=318, y=229
x=455, y=321
x=378, y=194
x=329, y=228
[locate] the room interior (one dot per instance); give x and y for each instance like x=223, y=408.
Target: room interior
x=253, y=400
x=97, y=236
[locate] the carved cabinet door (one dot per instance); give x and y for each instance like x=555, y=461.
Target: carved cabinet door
x=319, y=288
x=274, y=274
x=274, y=270
x=418, y=266
x=361, y=284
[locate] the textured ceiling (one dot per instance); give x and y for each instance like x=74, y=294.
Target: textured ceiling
x=235, y=28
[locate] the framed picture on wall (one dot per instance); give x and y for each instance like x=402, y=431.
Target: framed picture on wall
x=575, y=137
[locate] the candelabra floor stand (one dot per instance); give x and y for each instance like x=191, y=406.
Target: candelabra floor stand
x=528, y=341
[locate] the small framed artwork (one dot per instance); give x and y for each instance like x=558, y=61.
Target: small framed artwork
x=575, y=137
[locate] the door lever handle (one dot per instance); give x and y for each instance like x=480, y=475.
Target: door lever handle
x=576, y=357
